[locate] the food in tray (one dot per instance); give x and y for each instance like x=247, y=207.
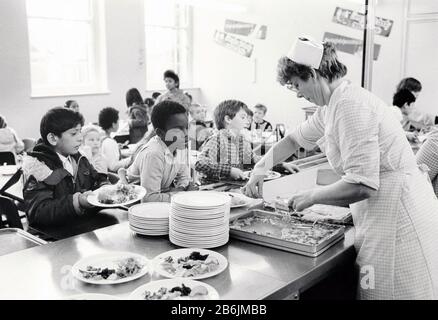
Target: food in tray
x=183, y=291
x=286, y=228
x=117, y=194
x=120, y=270
x=192, y=265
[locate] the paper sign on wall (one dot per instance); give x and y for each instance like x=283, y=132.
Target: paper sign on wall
x=245, y=29
x=356, y=20
x=228, y=41
x=349, y=45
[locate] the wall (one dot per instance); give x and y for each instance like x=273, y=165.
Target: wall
x=125, y=42
x=222, y=73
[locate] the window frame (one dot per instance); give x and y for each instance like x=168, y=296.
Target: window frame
x=97, y=63
x=187, y=80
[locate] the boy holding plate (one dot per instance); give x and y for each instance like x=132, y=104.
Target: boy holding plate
x=58, y=179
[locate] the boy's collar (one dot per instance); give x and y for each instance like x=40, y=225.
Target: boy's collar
x=165, y=147
x=230, y=133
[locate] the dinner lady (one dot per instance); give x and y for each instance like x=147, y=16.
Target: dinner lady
x=394, y=209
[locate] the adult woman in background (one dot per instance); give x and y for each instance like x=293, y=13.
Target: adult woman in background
x=138, y=116
x=394, y=209
x=174, y=93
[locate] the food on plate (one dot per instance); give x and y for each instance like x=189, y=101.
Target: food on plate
x=183, y=291
x=236, y=200
x=192, y=265
x=122, y=269
x=286, y=228
x=117, y=194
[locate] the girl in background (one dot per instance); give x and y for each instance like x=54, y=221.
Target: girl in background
x=91, y=147
x=137, y=114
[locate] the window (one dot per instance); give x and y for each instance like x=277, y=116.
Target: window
x=66, y=42
x=168, y=42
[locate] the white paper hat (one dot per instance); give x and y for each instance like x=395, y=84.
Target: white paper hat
x=306, y=51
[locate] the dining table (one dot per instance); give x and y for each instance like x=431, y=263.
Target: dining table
x=253, y=272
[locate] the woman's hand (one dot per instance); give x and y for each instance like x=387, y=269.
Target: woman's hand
x=254, y=187
x=291, y=167
x=300, y=201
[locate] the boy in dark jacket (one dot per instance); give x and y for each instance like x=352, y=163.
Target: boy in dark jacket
x=58, y=179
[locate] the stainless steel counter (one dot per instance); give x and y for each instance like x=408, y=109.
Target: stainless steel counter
x=254, y=272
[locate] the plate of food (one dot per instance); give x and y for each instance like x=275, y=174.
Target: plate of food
x=270, y=175
x=175, y=289
x=190, y=263
x=109, y=196
x=238, y=200
x=110, y=268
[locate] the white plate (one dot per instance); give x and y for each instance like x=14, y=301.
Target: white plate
x=138, y=294
x=239, y=196
x=109, y=260
x=8, y=170
x=204, y=245
x=270, y=175
x=179, y=253
x=151, y=210
x=200, y=199
x=93, y=200
x=92, y=296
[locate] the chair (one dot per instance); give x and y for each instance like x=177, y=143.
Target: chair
x=7, y=157
x=9, y=214
x=29, y=143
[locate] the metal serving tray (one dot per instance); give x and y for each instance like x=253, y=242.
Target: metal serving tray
x=12, y=239
x=258, y=233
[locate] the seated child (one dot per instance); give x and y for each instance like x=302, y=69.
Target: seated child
x=199, y=131
x=403, y=102
x=138, y=115
x=160, y=163
x=109, y=122
x=224, y=155
x=58, y=179
x=72, y=104
x=9, y=140
x=258, y=122
x=91, y=147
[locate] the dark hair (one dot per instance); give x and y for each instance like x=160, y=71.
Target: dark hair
x=149, y=102
x=133, y=96
x=189, y=95
x=261, y=107
x=163, y=110
x=68, y=103
x=3, y=123
x=403, y=96
x=248, y=111
x=155, y=95
x=410, y=84
x=172, y=75
x=107, y=117
x=227, y=108
x=330, y=68
x=58, y=120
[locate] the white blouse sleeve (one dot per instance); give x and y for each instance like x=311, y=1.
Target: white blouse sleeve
x=356, y=127
x=310, y=131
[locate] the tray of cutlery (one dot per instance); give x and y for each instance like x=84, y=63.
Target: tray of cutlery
x=286, y=232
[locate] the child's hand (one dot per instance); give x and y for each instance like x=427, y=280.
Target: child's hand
x=122, y=176
x=83, y=202
x=237, y=174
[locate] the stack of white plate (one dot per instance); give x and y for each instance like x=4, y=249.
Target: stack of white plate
x=150, y=219
x=199, y=219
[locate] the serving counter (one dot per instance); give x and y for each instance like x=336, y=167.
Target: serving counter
x=254, y=272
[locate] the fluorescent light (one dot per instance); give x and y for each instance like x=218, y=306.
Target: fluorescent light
x=216, y=5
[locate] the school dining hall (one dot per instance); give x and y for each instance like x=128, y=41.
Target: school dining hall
x=218, y=150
